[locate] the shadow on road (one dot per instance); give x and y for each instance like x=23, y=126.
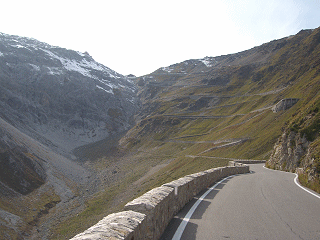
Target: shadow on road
x=192, y=228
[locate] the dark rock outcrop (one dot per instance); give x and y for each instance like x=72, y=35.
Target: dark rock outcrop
x=288, y=151
x=284, y=104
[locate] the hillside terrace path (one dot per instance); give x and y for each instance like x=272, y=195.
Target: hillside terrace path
x=237, y=141
x=233, y=140
x=200, y=116
x=195, y=96
x=264, y=204
x=180, y=114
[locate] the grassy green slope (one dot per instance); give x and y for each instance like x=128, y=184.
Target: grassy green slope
x=239, y=108
x=196, y=117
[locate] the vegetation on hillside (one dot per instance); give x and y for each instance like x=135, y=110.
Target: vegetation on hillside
x=196, y=117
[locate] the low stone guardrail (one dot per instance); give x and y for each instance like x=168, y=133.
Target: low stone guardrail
x=147, y=216
x=243, y=161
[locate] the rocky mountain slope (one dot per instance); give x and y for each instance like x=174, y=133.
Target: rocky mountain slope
x=52, y=100
x=61, y=97
x=38, y=186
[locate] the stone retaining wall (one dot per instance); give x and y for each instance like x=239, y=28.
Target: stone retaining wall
x=147, y=216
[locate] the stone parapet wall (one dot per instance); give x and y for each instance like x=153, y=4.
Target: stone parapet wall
x=242, y=161
x=158, y=208
x=147, y=216
x=122, y=225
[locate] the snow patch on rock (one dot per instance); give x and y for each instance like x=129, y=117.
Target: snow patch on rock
x=209, y=62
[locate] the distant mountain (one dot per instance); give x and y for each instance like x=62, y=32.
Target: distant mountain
x=62, y=97
x=53, y=100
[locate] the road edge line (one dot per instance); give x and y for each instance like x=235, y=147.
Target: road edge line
x=296, y=181
x=178, y=233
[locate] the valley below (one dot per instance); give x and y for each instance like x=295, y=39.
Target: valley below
x=78, y=140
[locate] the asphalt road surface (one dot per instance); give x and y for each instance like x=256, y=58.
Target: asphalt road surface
x=264, y=204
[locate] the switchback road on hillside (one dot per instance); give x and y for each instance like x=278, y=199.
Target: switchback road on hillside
x=264, y=204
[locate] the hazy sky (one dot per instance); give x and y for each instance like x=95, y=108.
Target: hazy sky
x=140, y=36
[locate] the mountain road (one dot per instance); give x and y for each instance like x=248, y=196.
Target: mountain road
x=263, y=204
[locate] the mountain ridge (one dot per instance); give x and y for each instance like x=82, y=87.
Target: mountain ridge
x=72, y=76
x=189, y=117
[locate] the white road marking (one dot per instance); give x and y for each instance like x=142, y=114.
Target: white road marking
x=185, y=220
x=297, y=182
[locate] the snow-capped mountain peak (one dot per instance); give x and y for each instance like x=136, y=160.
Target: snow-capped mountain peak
x=63, y=95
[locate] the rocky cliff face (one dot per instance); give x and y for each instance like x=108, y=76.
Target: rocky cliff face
x=297, y=150
x=294, y=153
x=62, y=97
x=19, y=170
x=288, y=152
